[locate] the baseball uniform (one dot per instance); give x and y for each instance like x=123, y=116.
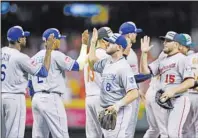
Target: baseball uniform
x=156, y=116
x=15, y=67
x=133, y=62
x=172, y=71
x=128, y=28
x=190, y=127
x=92, y=86
x=48, y=109
x=117, y=79
x=93, y=82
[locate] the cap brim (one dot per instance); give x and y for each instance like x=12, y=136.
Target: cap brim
x=26, y=33
x=192, y=45
x=62, y=37
x=108, y=40
x=139, y=30
x=164, y=38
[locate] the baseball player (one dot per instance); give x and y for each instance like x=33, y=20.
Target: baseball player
x=118, y=88
x=191, y=123
x=92, y=86
x=47, y=106
x=130, y=31
x=157, y=117
x=14, y=69
x=175, y=77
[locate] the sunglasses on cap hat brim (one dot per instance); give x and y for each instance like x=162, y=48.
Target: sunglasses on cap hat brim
x=62, y=37
x=163, y=38
x=109, y=40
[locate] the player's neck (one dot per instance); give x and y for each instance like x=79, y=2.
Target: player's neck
x=173, y=53
x=116, y=56
x=17, y=47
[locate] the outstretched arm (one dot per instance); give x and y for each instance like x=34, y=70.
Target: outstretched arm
x=145, y=49
x=81, y=61
x=92, y=58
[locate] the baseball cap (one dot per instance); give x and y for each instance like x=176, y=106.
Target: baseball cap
x=117, y=39
x=53, y=31
x=129, y=27
x=16, y=32
x=184, y=39
x=104, y=32
x=169, y=36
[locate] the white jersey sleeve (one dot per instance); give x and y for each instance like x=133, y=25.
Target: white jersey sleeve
x=133, y=61
x=185, y=68
x=64, y=62
x=154, y=67
x=28, y=65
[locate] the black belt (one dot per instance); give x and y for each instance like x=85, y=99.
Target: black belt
x=47, y=92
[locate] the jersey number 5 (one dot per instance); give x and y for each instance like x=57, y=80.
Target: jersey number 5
x=3, y=75
x=90, y=74
x=170, y=78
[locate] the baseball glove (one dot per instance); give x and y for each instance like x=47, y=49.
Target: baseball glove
x=167, y=104
x=107, y=119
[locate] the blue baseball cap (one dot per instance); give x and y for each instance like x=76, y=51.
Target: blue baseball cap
x=53, y=31
x=16, y=32
x=184, y=39
x=117, y=39
x=129, y=27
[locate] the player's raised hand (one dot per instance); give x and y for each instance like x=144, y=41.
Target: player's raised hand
x=145, y=44
x=94, y=36
x=50, y=42
x=85, y=37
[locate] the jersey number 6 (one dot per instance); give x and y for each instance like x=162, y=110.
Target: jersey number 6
x=90, y=74
x=170, y=78
x=38, y=80
x=3, y=75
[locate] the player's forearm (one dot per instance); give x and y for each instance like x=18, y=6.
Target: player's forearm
x=47, y=59
x=144, y=64
x=82, y=56
x=183, y=87
x=92, y=55
x=129, y=97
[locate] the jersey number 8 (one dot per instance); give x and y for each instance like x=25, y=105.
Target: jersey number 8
x=3, y=75
x=108, y=87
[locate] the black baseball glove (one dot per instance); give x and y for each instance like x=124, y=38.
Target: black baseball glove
x=167, y=104
x=108, y=119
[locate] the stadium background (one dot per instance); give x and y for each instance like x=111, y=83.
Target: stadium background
x=155, y=18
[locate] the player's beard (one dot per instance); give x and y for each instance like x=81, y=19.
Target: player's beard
x=110, y=52
x=22, y=45
x=167, y=50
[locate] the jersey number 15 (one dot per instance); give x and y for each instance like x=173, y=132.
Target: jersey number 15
x=170, y=78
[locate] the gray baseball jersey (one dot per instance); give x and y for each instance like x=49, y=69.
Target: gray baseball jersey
x=133, y=61
x=172, y=70
x=117, y=80
x=55, y=81
x=15, y=67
